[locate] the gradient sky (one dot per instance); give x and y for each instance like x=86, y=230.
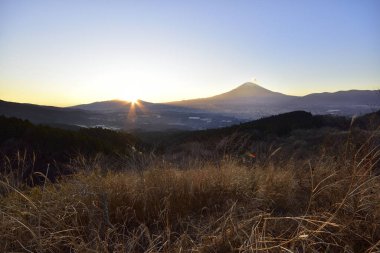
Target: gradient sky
x=70, y=52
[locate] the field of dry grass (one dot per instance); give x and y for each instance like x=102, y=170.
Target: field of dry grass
x=330, y=203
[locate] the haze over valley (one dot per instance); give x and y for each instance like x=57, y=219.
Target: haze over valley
x=246, y=102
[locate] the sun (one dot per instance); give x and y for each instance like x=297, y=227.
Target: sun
x=131, y=98
x=134, y=100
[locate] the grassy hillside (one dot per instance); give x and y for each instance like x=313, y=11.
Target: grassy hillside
x=325, y=206
x=313, y=187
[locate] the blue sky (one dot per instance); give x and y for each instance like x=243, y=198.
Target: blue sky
x=69, y=52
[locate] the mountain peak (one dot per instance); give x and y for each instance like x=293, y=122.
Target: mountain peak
x=248, y=90
x=250, y=85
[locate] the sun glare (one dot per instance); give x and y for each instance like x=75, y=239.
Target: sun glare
x=131, y=98
x=134, y=100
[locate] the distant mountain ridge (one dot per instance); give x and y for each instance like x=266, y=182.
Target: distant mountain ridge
x=246, y=102
x=250, y=96
x=103, y=105
x=45, y=114
x=251, y=101
x=118, y=114
x=117, y=105
x=363, y=97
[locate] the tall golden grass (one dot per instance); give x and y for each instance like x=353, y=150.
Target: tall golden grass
x=330, y=204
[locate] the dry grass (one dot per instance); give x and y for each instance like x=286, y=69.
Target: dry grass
x=329, y=205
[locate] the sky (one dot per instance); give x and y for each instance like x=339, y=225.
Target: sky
x=78, y=51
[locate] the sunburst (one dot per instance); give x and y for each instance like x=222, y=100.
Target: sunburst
x=134, y=104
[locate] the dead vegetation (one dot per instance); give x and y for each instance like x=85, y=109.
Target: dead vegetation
x=329, y=205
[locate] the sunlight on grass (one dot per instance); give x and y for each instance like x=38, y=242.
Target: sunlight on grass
x=228, y=208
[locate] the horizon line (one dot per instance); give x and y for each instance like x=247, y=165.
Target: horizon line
x=166, y=102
